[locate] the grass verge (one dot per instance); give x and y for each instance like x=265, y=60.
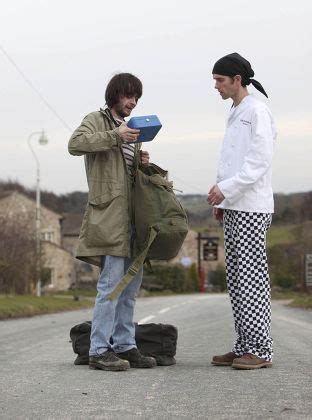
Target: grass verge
x=297, y=299
x=72, y=293
x=302, y=301
x=24, y=306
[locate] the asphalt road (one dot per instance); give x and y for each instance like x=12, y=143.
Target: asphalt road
x=38, y=379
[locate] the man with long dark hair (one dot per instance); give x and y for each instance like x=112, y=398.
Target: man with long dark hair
x=107, y=229
x=243, y=199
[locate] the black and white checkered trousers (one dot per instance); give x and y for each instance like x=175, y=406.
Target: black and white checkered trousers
x=248, y=280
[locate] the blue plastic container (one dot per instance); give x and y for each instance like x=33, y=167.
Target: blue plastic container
x=149, y=125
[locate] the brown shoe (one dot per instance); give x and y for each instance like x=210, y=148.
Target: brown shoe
x=250, y=361
x=224, y=360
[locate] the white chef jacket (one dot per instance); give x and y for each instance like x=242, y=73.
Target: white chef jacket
x=245, y=167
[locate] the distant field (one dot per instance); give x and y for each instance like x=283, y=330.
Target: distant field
x=280, y=234
x=276, y=234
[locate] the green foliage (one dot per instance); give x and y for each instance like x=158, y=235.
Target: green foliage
x=286, y=281
x=286, y=258
x=286, y=265
x=194, y=277
x=173, y=277
x=218, y=278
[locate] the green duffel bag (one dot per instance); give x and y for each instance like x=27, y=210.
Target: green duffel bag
x=157, y=208
x=161, y=223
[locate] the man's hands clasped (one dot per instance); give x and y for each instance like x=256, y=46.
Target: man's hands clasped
x=214, y=198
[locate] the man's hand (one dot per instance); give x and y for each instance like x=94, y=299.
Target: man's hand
x=215, y=196
x=144, y=156
x=128, y=134
x=217, y=214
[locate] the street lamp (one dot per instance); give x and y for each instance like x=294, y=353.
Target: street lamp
x=42, y=140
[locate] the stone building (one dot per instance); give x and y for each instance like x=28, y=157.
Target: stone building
x=86, y=274
x=190, y=250
x=58, y=265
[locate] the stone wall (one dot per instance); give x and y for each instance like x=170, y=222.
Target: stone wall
x=21, y=209
x=85, y=273
x=61, y=264
x=58, y=264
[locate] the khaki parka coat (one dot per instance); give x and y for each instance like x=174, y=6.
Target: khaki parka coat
x=106, y=225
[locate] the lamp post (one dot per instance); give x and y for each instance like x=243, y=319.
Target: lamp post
x=42, y=140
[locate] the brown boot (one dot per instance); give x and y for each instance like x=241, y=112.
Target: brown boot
x=224, y=360
x=250, y=361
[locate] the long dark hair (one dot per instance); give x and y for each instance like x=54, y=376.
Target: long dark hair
x=122, y=84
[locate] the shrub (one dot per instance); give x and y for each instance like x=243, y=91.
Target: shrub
x=218, y=277
x=286, y=265
x=173, y=277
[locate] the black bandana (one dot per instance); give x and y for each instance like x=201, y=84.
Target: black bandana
x=233, y=64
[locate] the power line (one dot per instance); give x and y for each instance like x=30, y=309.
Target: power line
x=198, y=190
x=50, y=107
x=33, y=87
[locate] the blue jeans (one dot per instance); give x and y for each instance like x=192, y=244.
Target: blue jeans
x=114, y=318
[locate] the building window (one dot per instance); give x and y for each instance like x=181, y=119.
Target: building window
x=86, y=268
x=47, y=236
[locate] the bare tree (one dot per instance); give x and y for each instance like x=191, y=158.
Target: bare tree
x=17, y=257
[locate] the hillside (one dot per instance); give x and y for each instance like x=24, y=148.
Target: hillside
x=293, y=208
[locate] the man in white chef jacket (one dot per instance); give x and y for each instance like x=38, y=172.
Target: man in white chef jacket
x=243, y=199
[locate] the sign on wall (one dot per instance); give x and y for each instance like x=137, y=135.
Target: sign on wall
x=308, y=270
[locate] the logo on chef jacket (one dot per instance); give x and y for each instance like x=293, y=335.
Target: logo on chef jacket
x=245, y=122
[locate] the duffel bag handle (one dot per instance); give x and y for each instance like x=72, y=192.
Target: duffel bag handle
x=160, y=181
x=135, y=266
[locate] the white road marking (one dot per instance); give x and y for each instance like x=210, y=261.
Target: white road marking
x=146, y=319
x=162, y=311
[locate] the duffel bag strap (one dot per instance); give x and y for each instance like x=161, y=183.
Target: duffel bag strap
x=135, y=266
x=160, y=181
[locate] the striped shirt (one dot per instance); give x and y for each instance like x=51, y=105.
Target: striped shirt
x=128, y=149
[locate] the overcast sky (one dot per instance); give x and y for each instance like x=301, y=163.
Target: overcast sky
x=70, y=49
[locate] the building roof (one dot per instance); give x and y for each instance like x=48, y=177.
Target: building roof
x=17, y=194
x=71, y=224
x=4, y=194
